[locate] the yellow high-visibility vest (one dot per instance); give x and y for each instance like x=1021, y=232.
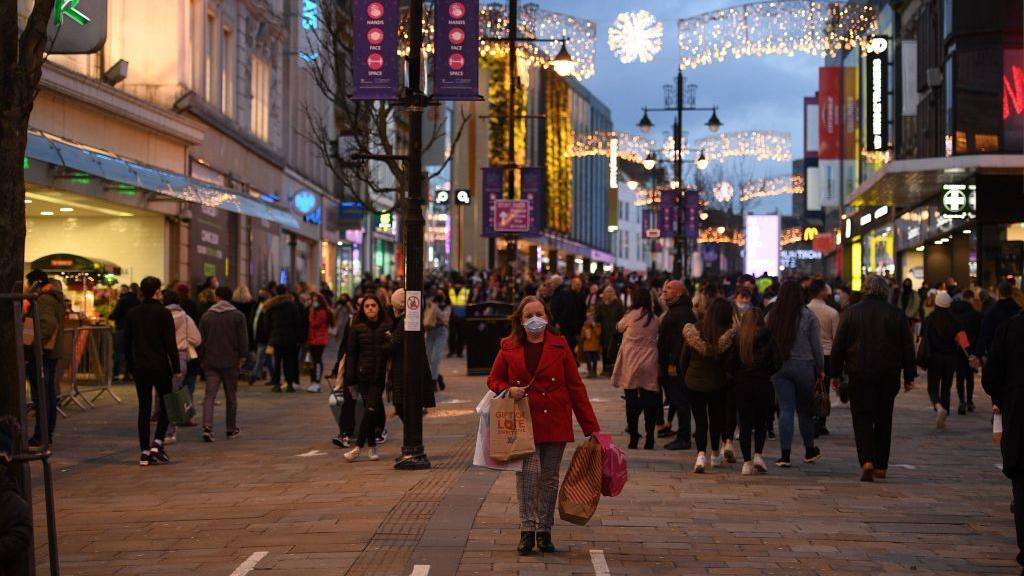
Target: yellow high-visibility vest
x=460, y=298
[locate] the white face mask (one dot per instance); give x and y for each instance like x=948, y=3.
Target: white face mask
x=535, y=325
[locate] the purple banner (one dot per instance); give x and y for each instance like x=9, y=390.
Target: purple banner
x=456, y=49
x=375, y=59
x=691, y=214
x=493, y=183
x=667, y=216
x=531, y=189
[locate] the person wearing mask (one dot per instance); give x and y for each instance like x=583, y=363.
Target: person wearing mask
x=702, y=365
x=609, y=311
x=458, y=296
x=366, y=362
x=125, y=302
x=50, y=304
x=797, y=333
x=534, y=362
x=435, y=321
x=828, y=320
x=15, y=512
x=752, y=359
x=945, y=341
x=395, y=350
x=151, y=351
x=1003, y=309
x=969, y=318
x=321, y=318
x=225, y=345
x=1003, y=380
x=872, y=346
x=282, y=321
x=670, y=346
x=187, y=339
x=636, y=368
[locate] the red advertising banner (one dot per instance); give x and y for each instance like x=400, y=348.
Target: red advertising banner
x=851, y=113
x=830, y=82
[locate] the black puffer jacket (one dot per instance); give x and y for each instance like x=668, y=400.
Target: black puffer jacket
x=15, y=527
x=767, y=361
x=366, y=360
x=873, y=344
x=283, y=322
x=1003, y=379
x=396, y=379
x=670, y=333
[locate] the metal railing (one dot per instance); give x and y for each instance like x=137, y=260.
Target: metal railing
x=88, y=367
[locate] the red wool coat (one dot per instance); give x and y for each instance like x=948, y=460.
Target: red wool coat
x=317, y=327
x=557, y=391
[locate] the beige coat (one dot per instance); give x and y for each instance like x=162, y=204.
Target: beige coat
x=637, y=363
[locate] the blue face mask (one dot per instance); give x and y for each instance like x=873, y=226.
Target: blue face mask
x=836, y=297
x=535, y=325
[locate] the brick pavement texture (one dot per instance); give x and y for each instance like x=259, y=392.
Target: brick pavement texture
x=283, y=488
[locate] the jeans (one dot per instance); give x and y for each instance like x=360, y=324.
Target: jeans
x=940, y=379
x=145, y=382
x=50, y=384
x=871, y=405
x=707, y=417
x=214, y=378
x=754, y=402
x=679, y=397
x=436, y=339
x=537, y=487
x=316, y=354
x=264, y=363
x=794, y=389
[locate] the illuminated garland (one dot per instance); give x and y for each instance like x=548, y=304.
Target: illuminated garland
x=668, y=148
x=713, y=236
x=759, y=144
x=779, y=27
x=791, y=236
x=630, y=148
x=635, y=36
x=768, y=187
x=558, y=142
x=722, y=191
x=497, y=96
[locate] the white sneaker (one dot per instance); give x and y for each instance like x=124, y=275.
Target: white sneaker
x=759, y=464
x=748, y=469
x=940, y=418
x=352, y=454
x=716, y=460
x=728, y=452
x=313, y=388
x=373, y=454
x=700, y=464
x=170, y=439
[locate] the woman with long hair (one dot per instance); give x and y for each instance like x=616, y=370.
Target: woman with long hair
x=536, y=363
x=753, y=359
x=609, y=311
x=636, y=367
x=702, y=364
x=366, y=370
x=797, y=333
x=321, y=318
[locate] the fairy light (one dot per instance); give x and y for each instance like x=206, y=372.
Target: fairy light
x=778, y=27
x=630, y=148
x=635, y=36
x=713, y=236
x=722, y=191
x=668, y=148
x=791, y=236
x=768, y=187
x=758, y=144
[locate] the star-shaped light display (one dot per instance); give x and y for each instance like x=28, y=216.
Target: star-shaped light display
x=635, y=36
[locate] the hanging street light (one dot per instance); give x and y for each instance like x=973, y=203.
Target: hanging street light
x=714, y=123
x=645, y=123
x=650, y=161
x=701, y=162
x=563, y=63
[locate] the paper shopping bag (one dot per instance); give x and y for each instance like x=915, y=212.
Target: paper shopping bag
x=511, y=429
x=482, y=455
x=581, y=489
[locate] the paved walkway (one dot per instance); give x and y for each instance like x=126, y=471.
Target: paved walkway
x=281, y=501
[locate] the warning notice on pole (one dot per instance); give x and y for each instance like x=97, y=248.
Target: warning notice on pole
x=413, y=310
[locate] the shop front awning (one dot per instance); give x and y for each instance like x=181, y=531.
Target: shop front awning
x=108, y=166
x=911, y=182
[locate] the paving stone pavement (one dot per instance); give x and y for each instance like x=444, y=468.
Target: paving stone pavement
x=283, y=489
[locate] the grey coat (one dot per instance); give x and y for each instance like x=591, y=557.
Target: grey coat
x=225, y=336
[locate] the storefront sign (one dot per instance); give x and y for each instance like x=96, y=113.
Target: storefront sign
x=350, y=216
x=385, y=223
x=652, y=233
x=511, y=216
x=531, y=189
x=213, y=236
x=878, y=89
x=375, y=59
x=954, y=200
x=791, y=258
x=1013, y=98
x=77, y=27
x=456, y=49
x=810, y=233
x=824, y=243
x=305, y=202
x=829, y=112
x=441, y=197
x=462, y=197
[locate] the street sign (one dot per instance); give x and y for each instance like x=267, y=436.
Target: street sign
x=413, y=309
x=462, y=196
x=512, y=215
x=442, y=197
x=375, y=48
x=652, y=233
x=77, y=27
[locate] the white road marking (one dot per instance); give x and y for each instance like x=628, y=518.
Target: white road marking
x=999, y=467
x=311, y=453
x=904, y=466
x=250, y=563
x=600, y=564
x=420, y=570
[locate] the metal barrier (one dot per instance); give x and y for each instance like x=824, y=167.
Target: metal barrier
x=90, y=361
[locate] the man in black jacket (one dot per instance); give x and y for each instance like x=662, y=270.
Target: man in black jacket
x=970, y=320
x=1003, y=380
x=151, y=351
x=125, y=302
x=565, y=315
x=670, y=345
x=285, y=323
x=872, y=346
x=1004, y=309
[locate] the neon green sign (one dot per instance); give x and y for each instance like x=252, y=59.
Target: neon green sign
x=70, y=9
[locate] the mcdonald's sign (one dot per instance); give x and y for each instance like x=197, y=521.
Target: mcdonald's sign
x=810, y=233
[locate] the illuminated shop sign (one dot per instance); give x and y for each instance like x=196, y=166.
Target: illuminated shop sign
x=878, y=88
x=305, y=202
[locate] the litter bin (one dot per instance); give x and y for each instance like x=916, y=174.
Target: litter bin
x=485, y=325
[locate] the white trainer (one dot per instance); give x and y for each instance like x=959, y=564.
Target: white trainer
x=759, y=464
x=352, y=454
x=940, y=418
x=716, y=460
x=373, y=454
x=313, y=388
x=700, y=464
x=748, y=469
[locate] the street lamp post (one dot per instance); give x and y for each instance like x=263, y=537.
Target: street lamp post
x=713, y=124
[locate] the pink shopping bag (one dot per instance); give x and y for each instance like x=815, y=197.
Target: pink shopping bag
x=614, y=471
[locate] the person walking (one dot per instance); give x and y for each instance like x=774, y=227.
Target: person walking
x=225, y=346
x=127, y=300
x=321, y=318
x=828, y=320
x=969, y=318
x=670, y=346
x=590, y=343
x=536, y=363
x=873, y=345
x=151, y=353
x=282, y=318
x=752, y=359
x=609, y=311
x=366, y=362
x=1004, y=308
x=565, y=310
x=702, y=364
x=945, y=341
x=187, y=338
x=435, y=321
x=798, y=335
x=50, y=304
x=636, y=368
x=458, y=296
x=1003, y=380
x=910, y=303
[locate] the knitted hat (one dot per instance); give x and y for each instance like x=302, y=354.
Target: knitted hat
x=943, y=300
x=398, y=299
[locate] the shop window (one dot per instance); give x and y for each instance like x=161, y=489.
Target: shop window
x=227, y=73
x=260, y=118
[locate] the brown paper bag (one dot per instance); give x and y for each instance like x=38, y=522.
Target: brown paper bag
x=581, y=489
x=511, y=429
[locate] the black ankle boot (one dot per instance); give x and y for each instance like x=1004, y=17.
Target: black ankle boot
x=544, y=543
x=649, y=442
x=526, y=541
x=634, y=441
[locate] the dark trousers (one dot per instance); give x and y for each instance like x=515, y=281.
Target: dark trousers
x=286, y=358
x=118, y=352
x=964, y=381
x=145, y=382
x=49, y=385
x=608, y=354
x=728, y=430
x=754, y=403
x=819, y=421
x=1018, y=515
x=871, y=405
x=679, y=398
x=455, y=340
x=316, y=354
x=707, y=415
x=373, y=415
x=591, y=358
x=649, y=403
x=940, y=379
x=347, y=418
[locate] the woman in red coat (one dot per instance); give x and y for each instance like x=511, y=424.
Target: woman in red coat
x=321, y=317
x=536, y=363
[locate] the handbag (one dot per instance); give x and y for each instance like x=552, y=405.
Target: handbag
x=581, y=490
x=179, y=406
x=822, y=404
x=924, y=349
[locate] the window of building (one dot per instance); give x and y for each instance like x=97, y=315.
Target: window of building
x=260, y=121
x=210, y=45
x=227, y=73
